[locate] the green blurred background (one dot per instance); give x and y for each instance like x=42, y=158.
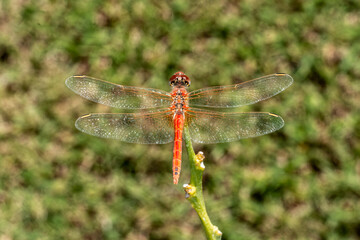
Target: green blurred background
x=302, y=182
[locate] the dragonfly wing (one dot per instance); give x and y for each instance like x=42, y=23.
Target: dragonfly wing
x=146, y=128
x=118, y=96
x=216, y=127
x=240, y=94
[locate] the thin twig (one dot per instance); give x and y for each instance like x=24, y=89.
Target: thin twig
x=194, y=192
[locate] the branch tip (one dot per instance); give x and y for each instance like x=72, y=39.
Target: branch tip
x=217, y=232
x=199, y=161
x=189, y=190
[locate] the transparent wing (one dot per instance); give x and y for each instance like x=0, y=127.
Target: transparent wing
x=146, y=128
x=215, y=127
x=240, y=94
x=118, y=96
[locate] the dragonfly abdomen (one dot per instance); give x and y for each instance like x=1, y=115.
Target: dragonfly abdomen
x=178, y=128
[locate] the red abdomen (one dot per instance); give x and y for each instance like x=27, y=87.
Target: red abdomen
x=178, y=127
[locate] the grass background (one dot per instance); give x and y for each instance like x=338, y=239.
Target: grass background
x=302, y=182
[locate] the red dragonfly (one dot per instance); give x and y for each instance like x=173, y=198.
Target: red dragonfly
x=165, y=114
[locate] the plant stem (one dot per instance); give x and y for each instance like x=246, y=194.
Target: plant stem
x=194, y=192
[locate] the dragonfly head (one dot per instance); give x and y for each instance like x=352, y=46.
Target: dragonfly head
x=179, y=79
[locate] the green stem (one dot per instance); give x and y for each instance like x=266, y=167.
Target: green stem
x=194, y=191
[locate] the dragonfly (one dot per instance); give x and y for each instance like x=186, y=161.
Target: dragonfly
x=161, y=116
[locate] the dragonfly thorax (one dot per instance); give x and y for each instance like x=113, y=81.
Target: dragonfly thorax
x=180, y=100
x=179, y=79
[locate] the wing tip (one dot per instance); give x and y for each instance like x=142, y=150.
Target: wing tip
x=274, y=115
x=72, y=78
x=82, y=117
x=68, y=80
x=286, y=76
x=279, y=118
x=85, y=116
x=79, y=122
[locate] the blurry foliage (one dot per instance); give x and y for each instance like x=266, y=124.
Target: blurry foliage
x=302, y=182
